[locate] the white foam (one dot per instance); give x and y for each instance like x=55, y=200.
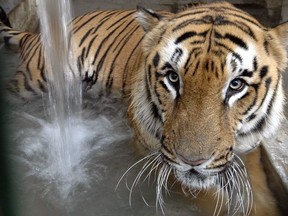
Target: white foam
x=60, y=157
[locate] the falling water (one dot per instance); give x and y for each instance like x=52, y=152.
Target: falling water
x=64, y=88
x=65, y=94
x=58, y=148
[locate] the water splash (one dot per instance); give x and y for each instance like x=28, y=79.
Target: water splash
x=64, y=167
x=58, y=147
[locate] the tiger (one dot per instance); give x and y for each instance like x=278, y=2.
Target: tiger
x=204, y=89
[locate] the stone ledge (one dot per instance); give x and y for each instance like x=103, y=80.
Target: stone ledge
x=24, y=16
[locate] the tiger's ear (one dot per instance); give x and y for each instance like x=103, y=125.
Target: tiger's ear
x=147, y=18
x=279, y=47
x=282, y=33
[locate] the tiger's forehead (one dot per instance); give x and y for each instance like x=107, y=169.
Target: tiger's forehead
x=225, y=36
x=216, y=14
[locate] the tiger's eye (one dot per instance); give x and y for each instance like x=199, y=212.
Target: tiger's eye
x=236, y=84
x=173, y=77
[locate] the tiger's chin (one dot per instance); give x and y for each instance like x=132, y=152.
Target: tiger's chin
x=197, y=180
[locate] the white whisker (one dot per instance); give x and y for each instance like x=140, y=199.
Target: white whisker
x=162, y=182
x=137, y=178
x=133, y=165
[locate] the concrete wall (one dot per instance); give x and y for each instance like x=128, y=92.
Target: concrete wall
x=22, y=13
x=285, y=11
x=269, y=12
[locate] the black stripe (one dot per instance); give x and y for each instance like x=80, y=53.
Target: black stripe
x=167, y=65
x=77, y=28
x=41, y=64
x=148, y=92
x=256, y=87
x=152, y=13
x=244, y=96
x=41, y=86
x=104, y=41
x=27, y=86
x=23, y=40
x=247, y=73
x=268, y=112
x=246, y=19
x=127, y=37
x=110, y=83
x=156, y=112
x=268, y=82
x=251, y=117
x=241, y=26
x=85, y=36
x=40, y=58
x=43, y=73
x=90, y=45
x=260, y=125
x=126, y=66
x=77, y=19
x=267, y=85
x=122, y=18
x=221, y=45
x=104, y=20
x=196, y=67
x=164, y=86
x=29, y=46
x=236, y=40
x=79, y=65
x=29, y=61
x=187, y=61
x=265, y=44
x=245, y=28
x=255, y=64
x=149, y=74
x=176, y=55
x=185, y=36
x=82, y=55
x=207, y=65
x=156, y=60
x=196, y=42
x=163, y=31
x=167, y=150
x=263, y=71
x=195, y=12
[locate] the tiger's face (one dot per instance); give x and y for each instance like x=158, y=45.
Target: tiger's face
x=209, y=90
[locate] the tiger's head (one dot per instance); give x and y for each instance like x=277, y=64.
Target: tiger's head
x=209, y=88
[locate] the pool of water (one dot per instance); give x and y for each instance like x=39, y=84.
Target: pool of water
x=95, y=187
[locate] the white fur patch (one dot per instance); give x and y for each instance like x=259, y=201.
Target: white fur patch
x=247, y=63
x=170, y=88
x=169, y=50
x=252, y=137
x=237, y=96
x=167, y=55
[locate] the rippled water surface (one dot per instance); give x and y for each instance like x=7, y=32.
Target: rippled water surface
x=102, y=161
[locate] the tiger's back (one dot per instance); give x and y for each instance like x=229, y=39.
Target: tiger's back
x=106, y=47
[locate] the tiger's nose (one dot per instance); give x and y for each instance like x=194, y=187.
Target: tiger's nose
x=192, y=162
